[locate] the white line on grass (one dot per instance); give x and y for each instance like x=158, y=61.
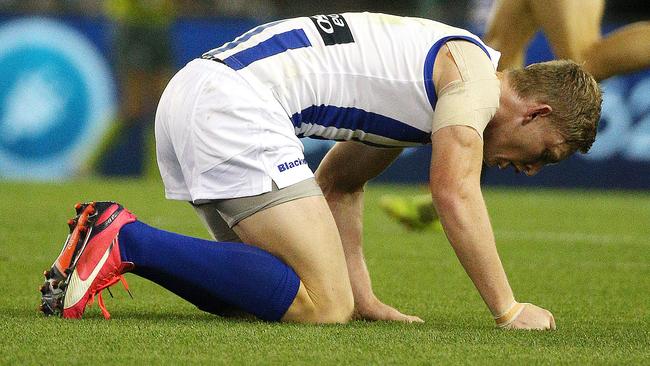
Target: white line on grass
x=570, y=237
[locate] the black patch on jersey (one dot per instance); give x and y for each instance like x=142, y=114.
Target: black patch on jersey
x=333, y=29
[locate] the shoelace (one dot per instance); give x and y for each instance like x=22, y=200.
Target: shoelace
x=100, y=300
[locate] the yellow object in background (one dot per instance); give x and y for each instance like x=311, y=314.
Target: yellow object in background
x=152, y=12
x=413, y=212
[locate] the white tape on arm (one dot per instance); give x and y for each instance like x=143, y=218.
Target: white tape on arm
x=467, y=103
x=510, y=315
x=473, y=100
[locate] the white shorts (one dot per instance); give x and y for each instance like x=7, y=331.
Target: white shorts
x=217, y=137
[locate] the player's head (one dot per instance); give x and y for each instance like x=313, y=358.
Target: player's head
x=572, y=93
x=548, y=111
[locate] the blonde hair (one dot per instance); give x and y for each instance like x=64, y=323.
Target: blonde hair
x=572, y=93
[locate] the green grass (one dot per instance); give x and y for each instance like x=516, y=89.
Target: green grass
x=584, y=255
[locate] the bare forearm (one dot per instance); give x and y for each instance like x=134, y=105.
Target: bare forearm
x=469, y=231
x=342, y=175
x=347, y=209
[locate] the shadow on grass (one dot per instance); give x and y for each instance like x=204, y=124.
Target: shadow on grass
x=181, y=318
x=31, y=314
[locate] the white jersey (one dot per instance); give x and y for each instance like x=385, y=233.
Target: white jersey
x=351, y=76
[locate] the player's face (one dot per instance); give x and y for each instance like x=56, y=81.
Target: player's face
x=528, y=149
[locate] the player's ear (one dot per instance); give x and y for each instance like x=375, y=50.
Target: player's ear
x=538, y=110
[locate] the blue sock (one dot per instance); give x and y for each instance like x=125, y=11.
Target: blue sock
x=211, y=275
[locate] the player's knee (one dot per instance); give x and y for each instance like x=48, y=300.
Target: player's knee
x=336, y=309
x=336, y=314
x=334, y=305
x=321, y=307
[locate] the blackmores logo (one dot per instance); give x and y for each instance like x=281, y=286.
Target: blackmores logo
x=291, y=164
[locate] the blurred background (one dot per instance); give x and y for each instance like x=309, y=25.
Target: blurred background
x=80, y=80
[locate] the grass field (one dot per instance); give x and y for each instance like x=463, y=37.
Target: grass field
x=583, y=255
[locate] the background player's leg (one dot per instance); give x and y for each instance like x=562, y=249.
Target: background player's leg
x=304, y=235
x=571, y=26
x=625, y=50
x=509, y=30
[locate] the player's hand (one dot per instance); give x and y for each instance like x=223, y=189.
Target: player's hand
x=377, y=310
x=533, y=318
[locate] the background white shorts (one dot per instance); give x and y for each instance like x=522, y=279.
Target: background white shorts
x=217, y=137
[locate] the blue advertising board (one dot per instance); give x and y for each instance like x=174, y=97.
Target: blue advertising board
x=58, y=92
x=57, y=95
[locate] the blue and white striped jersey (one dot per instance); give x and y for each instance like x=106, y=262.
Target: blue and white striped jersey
x=350, y=76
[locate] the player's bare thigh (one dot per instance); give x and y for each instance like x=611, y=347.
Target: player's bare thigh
x=509, y=30
x=304, y=235
x=571, y=26
x=295, y=225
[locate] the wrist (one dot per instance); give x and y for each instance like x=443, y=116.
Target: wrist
x=365, y=302
x=509, y=315
x=500, y=304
